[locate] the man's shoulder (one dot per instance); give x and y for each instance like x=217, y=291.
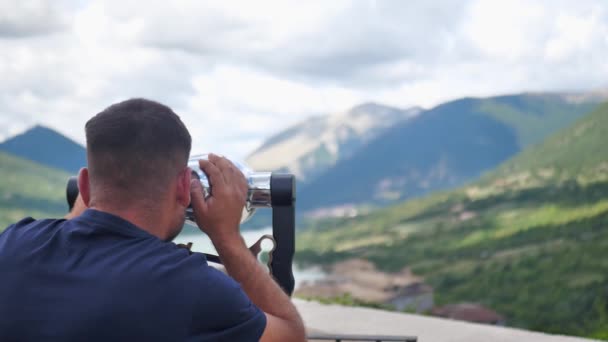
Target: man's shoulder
x=27, y=234
x=28, y=221
x=30, y=225
x=23, y=222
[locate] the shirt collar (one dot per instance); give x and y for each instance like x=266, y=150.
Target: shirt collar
x=102, y=219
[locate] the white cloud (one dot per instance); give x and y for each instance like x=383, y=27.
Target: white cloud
x=506, y=30
x=238, y=72
x=26, y=18
x=573, y=35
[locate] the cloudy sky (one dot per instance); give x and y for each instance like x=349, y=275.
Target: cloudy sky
x=239, y=71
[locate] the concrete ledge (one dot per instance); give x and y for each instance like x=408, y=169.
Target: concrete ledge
x=347, y=320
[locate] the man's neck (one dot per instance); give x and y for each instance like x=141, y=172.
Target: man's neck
x=148, y=220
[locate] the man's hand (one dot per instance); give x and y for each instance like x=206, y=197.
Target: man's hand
x=219, y=215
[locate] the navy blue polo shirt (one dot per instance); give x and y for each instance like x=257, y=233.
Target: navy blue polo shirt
x=100, y=278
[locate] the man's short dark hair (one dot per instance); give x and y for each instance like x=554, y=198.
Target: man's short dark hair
x=134, y=148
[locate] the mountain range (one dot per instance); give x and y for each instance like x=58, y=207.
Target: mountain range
x=527, y=239
x=315, y=145
x=435, y=149
x=374, y=155
x=48, y=147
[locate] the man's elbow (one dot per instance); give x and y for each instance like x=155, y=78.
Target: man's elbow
x=278, y=329
x=299, y=331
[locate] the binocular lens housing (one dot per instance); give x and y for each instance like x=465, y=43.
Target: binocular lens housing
x=258, y=196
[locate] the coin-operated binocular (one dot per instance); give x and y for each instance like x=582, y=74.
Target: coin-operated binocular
x=275, y=191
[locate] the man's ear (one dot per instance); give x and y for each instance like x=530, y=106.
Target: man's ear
x=183, y=187
x=84, y=187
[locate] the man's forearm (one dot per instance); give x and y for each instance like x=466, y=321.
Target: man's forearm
x=256, y=282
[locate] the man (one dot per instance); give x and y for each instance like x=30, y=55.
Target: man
x=112, y=273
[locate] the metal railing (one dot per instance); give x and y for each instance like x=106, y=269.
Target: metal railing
x=345, y=337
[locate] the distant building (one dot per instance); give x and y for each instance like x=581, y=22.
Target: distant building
x=469, y=312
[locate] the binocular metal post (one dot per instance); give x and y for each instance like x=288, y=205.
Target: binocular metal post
x=283, y=190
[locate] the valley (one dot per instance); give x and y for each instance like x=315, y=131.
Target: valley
x=527, y=240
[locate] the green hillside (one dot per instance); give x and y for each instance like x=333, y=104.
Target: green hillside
x=576, y=153
x=29, y=189
x=528, y=240
x=535, y=116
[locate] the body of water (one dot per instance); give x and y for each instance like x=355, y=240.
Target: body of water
x=201, y=243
